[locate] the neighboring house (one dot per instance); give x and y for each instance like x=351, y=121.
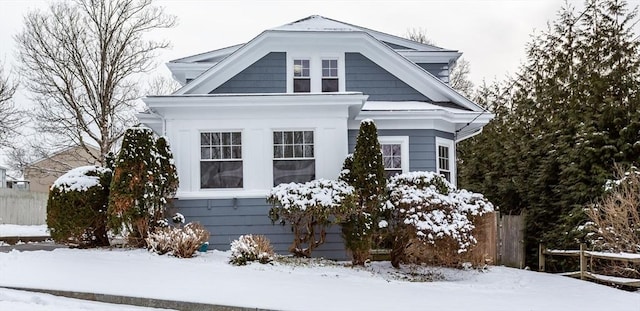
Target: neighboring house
x=42, y=173
x=286, y=107
x=3, y=177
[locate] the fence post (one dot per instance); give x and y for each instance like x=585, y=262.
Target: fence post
x=541, y=259
x=583, y=262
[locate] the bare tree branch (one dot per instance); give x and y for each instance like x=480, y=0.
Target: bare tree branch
x=10, y=115
x=80, y=60
x=458, y=74
x=161, y=85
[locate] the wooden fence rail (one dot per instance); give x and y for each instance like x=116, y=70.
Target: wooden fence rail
x=584, y=272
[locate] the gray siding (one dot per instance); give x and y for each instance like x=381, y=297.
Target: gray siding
x=227, y=219
x=267, y=75
x=396, y=46
x=422, y=146
x=441, y=71
x=363, y=75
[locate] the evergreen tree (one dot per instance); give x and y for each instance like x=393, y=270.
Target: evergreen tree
x=133, y=202
x=168, y=184
x=366, y=175
x=571, y=113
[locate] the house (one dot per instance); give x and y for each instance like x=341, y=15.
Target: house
x=286, y=107
x=41, y=173
x=3, y=177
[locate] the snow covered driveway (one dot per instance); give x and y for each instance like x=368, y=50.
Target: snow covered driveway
x=210, y=279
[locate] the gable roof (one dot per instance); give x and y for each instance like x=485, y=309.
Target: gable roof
x=361, y=40
x=321, y=23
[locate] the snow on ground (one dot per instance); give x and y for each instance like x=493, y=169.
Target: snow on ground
x=19, y=230
x=208, y=278
x=16, y=300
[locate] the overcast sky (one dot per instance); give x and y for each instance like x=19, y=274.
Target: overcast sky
x=491, y=34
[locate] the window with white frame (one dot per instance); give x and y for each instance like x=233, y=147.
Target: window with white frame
x=444, y=162
x=293, y=157
x=301, y=76
x=330, y=75
x=221, y=160
x=395, y=154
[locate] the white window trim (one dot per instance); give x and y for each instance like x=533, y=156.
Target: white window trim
x=315, y=68
x=242, y=159
x=452, y=152
x=404, y=148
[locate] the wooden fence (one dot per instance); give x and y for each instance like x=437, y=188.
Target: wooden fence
x=585, y=265
x=21, y=207
x=511, y=241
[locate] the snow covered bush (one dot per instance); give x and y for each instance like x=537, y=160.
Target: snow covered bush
x=180, y=242
x=430, y=220
x=144, y=179
x=251, y=248
x=365, y=172
x=615, y=218
x=76, y=208
x=310, y=208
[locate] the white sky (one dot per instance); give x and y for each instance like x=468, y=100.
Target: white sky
x=492, y=34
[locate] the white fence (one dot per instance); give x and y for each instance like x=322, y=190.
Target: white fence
x=22, y=207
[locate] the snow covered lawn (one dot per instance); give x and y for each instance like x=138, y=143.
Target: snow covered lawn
x=19, y=230
x=320, y=285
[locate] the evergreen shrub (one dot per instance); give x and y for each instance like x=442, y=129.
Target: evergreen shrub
x=430, y=221
x=76, y=208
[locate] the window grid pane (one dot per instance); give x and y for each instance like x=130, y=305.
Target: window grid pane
x=293, y=145
x=443, y=162
x=301, y=68
x=221, y=146
x=330, y=68
x=392, y=159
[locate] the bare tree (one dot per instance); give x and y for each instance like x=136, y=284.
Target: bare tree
x=80, y=60
x=161, y=85
x=458, y=74
x=10, y=116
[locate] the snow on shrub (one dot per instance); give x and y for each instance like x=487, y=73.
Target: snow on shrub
x=309, y=208
x=430, y=219
x=615, y=218
x=76, y=208
x=180, y=242
x=251, y=248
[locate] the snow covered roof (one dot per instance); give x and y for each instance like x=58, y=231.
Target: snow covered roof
x=317, y=23
x=321, y=23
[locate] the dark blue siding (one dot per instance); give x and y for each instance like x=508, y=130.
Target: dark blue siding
x=422, y=146
x=441, y=71
x=227, y=219
x=267, y=75
x=363, y=75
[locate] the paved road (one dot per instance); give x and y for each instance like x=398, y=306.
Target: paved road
x=42, y=246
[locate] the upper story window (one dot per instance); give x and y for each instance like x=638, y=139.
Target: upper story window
x=330, y=75
x=301, y=76
x=395, y=154
x=445, y=158
x=293, y=157
x=221, y=160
